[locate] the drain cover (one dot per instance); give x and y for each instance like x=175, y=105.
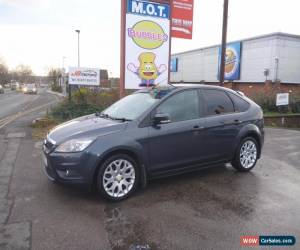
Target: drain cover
x=16, y=135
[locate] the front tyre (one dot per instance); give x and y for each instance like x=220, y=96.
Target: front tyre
x=118, y=177
x=246, y=155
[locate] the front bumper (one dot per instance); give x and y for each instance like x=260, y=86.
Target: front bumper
x=70, y=168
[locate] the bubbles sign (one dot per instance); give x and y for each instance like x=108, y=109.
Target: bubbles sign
x=147, y=41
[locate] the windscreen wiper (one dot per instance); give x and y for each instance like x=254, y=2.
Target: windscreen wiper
x=103, y=115
x=120, y=119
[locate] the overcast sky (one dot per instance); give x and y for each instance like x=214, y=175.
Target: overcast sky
x=41, y=32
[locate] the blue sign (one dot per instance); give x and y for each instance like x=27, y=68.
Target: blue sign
x=147, y=8
x=174, y=65
x=232, y=61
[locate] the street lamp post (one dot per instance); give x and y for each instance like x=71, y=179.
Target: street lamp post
x=78, y=32
x=63, y=76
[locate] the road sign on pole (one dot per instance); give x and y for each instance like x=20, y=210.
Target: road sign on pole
x=182, y=18
x=145, y=44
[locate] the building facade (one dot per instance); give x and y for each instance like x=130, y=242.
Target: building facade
x=269, y=58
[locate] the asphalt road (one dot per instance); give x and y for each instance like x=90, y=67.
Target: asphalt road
x=12, y=102
x=210, y=209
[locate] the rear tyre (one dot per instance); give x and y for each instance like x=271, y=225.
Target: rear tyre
x=246, y=155
x=118, y=177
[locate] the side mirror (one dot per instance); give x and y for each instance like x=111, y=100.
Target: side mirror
x=161, y=119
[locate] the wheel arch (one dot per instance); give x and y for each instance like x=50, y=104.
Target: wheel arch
x=250, y=131
x=130, y=152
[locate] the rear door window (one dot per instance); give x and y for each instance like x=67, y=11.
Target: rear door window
x=217, y=102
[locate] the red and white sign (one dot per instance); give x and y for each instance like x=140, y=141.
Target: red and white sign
x=182, y=18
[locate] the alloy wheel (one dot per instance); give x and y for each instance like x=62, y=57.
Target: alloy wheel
x=119, y=178
x=248, y=154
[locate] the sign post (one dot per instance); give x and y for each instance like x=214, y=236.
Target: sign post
x=84, y=76
x=282, y=99
x=145, y=44
x=182, y=18
x=224, y=41
x=122, y=49
x=232, y=62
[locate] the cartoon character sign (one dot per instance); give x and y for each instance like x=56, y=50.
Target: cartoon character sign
x=147, y=70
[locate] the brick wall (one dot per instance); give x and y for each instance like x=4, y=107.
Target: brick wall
x=267, y=88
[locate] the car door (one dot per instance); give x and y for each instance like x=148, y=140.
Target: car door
x=178, y=142
x=222, y=124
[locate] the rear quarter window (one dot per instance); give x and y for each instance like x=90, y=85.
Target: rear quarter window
x=240, y=105
x=217, y=102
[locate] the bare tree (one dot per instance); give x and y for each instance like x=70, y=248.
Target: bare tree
x=22, y=73
x=3, y=72
x=54, y=74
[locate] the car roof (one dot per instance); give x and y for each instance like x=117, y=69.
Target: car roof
x=180, y=86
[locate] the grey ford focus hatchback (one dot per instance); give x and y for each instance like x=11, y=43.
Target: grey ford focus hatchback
x=154, y=133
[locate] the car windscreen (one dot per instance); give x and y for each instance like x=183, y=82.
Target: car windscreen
x=30, y=85
x=131, y=106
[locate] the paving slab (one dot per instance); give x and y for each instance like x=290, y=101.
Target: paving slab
x=15, y=236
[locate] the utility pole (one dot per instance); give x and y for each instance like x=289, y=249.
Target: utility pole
x=224, y=41
x=64, y=86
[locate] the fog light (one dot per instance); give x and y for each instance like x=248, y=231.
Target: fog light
x=67, y=172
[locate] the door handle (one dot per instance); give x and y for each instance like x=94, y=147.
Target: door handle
x=198, y=128
x=235, y=122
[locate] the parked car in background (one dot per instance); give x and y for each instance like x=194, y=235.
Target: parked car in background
x=1, y=89
x=154, y=133
x=29, y=88
x=7, y=85
x=20, y=86
x=14, y=85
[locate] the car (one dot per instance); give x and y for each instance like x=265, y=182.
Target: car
x=1, y=89
x=29, y=88
x=13, y=86
x=154, y=133
x=7, y=85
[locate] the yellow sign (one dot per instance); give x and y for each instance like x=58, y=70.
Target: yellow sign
x=148, y=35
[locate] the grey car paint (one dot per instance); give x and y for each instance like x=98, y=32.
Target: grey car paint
x=160, y=150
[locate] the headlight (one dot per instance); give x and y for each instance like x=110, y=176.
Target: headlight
x=74, y=145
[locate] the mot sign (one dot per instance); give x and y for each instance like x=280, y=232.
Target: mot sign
x=282, y=99
x=182, y=18
x=147, y=41
x=84, y=76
